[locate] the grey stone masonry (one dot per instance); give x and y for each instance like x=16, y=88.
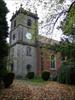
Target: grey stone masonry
x=23, y=37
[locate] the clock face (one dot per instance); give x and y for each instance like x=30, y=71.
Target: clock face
x=28, y=35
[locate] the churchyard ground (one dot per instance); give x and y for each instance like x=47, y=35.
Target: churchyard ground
x=31, y=90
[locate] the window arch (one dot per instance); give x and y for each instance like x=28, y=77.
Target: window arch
x=53, y=62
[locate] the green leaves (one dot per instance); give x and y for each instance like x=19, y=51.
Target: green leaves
x=3, y=36
x=70, y=20
x=67, y=50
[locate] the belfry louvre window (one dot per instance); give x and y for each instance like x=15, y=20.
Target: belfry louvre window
x=29, y=22
x=28, y=51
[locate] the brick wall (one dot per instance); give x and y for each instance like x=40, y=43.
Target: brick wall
x=46, y=54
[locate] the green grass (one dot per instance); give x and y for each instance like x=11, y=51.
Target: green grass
x=36, y=81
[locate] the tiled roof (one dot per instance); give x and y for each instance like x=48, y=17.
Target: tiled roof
x=45, y=40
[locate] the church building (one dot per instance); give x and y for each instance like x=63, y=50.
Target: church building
x=26, y=47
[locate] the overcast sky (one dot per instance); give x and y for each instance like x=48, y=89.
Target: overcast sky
x=14, y=5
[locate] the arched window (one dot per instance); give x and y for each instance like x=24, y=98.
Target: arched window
x=28, y=51
x=28, y=67
x=53, y=62
x=14, y=36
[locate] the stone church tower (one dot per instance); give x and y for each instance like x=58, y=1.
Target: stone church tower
x=23, y=39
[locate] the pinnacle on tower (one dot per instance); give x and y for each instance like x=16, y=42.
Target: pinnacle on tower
x=21, y=5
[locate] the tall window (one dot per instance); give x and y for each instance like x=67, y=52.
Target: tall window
x=14, y=36
x=53, y=62
x=12, y=51
x=14, y=23
x=29, y=22
x=28, y=51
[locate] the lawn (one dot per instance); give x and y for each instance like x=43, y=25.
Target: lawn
x=38, y=90
x=36, y=81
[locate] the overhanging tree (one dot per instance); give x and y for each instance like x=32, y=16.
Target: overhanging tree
x=3, y=36
x=67, y=47
x=68, y=27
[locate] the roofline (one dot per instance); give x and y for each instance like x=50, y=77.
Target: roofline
x=24, y=12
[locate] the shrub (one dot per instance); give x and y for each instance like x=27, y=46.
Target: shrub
x=8, y=79
x=72, y=75
x=1, y=83
x=45, y=75
x=67, y=73
x=30, y=75
x=63, y=76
